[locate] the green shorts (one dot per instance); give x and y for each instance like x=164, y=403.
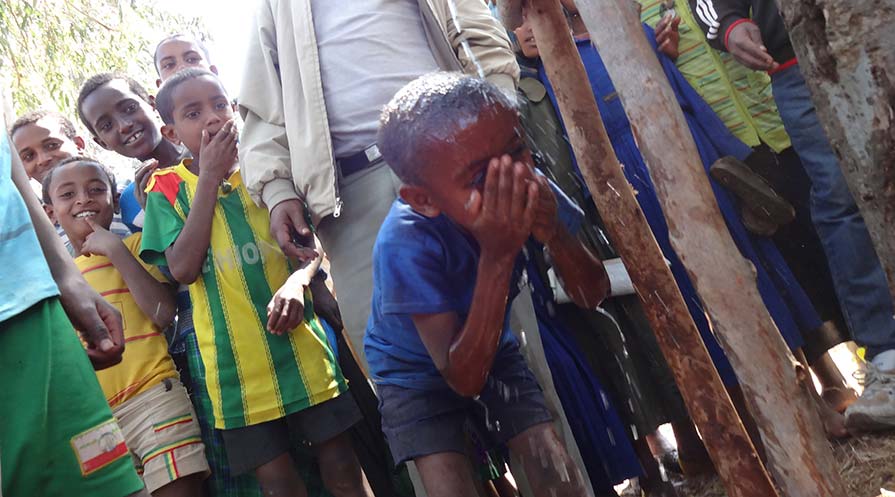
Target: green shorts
x=57, y=436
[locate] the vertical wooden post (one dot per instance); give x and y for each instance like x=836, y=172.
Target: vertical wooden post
x=799, y=455
x=845, y=53
x=710, y=407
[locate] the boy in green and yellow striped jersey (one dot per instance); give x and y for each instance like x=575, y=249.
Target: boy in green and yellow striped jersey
x=271, y=374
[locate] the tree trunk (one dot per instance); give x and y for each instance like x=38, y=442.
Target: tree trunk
x=799, y=455
x=710, y=407
x=845, y=52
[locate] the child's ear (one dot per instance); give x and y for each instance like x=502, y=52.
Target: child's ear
x=213, y=68
x=158, y=84
x=48, y=208
x=152, y=97
x=79, y=142
x=170, y=134
x=419, y=200
x=116, y=202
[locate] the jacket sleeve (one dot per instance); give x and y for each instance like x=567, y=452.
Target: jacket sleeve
x=263, y=145
x=481, y=43
x=717, y=17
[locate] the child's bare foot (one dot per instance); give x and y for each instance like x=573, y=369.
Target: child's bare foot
x=839, y=398
x=834, y=422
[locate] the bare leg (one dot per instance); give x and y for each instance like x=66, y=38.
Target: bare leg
x=651, y=483
x=549, y=468
x=340, y=469
x=691, y=453
x=188, y=486
x=278, y=478
x=834, y=422
x=836, y=391
x=447, y=474
x=504, y=488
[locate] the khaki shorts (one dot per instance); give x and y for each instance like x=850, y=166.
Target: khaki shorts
x=161, y=431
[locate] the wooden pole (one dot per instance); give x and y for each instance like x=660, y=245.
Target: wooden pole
x=845, y=53
x=710, y=407
x=799, y=456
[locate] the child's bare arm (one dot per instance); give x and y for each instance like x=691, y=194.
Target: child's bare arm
x=155, y=299
x=581, y=272
x=286, y=309
x=464, y=352
x=502, y=219
x=187, y=254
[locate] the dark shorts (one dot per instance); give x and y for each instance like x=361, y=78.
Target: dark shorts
x=423, y=422
x=253, y=446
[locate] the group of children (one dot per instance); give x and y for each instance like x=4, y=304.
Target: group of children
x=229, y=372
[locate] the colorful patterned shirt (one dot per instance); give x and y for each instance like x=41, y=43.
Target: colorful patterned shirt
x=146, y=361
x=253, y=376
x=741, y=97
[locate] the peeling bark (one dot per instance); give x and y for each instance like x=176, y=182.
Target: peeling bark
x=710, y=407
x=799, y=456
x=845, y=51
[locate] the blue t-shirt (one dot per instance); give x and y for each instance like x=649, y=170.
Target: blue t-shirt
x=25, y=278
x=427, y=265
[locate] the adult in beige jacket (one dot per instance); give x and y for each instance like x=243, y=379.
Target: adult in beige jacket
x=313, y=67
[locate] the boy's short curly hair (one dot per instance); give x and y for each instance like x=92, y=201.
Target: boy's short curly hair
x=98, y=80
x=65, y=125
x=48, y=179
x=430, y=108
x=164, y=101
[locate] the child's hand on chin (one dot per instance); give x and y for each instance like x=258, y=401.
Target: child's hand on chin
x=503, y=213
x=101, y=241
x=286, y=309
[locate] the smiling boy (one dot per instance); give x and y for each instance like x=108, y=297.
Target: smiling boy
x=151, y=405
x=118, y=112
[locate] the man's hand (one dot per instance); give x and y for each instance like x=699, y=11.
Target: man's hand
x=744, y=43
x=142, y=177
x=218, y=153
x=503, y=214
x=96, y=320
x=668, y=37
x=101, y=241
x=289, y=228
x=286, y=309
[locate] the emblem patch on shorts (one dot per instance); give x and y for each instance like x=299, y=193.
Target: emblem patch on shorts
x=99, y=446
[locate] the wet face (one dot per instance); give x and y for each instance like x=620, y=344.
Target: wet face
x=457, y=164
x=526, y=38
x=199, y=104
x=78, y=191
x=122, y=121
x=42, y=145
x=178, y=54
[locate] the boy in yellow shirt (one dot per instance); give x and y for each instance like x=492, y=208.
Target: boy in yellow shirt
x=144, y=391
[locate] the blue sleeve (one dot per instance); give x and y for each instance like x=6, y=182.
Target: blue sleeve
x=412, y=278
x=570, y=215
x=131, y=212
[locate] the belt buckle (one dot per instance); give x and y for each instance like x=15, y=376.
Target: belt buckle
x=372, y=153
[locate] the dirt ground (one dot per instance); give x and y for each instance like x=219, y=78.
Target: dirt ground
x=868, y=469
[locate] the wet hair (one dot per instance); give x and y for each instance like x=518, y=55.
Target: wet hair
x=164, y=100
x=66, y=126
x=431, y=108
x=48, y=179
x=179, y=36
x=98, y=80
